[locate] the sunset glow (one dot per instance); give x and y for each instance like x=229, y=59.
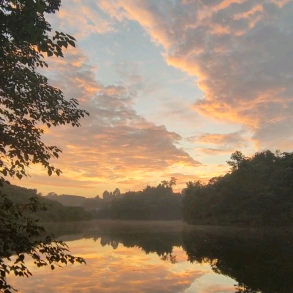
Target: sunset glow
x=173, y=88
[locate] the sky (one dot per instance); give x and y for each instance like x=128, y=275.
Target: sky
x=173, y=87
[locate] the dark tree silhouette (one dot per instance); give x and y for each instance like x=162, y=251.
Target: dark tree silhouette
x=152, y=203
x=26, y=102
x=258, y=192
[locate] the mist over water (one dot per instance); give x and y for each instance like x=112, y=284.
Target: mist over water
x=167, y=256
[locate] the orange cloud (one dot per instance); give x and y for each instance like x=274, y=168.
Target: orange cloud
x=226, y=3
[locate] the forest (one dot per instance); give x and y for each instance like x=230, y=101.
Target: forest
x=151, y=203
x=258, y=191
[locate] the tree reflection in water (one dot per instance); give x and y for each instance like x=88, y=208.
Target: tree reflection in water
x=258, y=260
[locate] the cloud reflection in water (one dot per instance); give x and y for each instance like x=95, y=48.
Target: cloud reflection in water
x=124, y=270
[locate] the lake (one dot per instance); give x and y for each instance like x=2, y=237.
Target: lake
x=159, y=257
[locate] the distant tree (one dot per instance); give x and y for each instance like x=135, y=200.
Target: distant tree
x=152, y=203
x=172, y=181
x=116, y=192
x=237, y=158
x=169, y=184
x=26, y=102
x=106, y=194
x=52, y=194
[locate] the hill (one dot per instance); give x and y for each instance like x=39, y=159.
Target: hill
x=67, y=200
x=76, y=201
x=55, y=210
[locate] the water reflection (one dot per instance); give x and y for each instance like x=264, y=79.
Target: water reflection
x=170, y=257
x=260, y=261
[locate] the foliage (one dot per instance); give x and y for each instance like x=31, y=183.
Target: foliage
x=26, y=98
x=258, y=191
x=26, y=102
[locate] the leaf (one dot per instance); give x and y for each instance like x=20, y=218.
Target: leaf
x=21, y=257
x=72, y=43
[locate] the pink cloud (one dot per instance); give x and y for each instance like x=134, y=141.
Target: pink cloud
x=239, y=50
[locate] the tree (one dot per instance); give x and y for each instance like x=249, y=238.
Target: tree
x=116, y=192
x=26, y=97
x=20, y=236
x=257, y=192
x=151, y=203
x=169, y=184
x=106, y=194
x=26, y=102
x=237, y=158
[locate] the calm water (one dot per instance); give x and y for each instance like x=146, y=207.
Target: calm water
x=158, y=257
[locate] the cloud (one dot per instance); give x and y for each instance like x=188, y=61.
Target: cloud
x=230, y=139
x=114, y=143
x=222, y=143
x=81, y=18
x=215, y=151
x=129, y=72
x=239, y=50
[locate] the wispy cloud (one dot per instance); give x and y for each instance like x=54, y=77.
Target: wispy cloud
x=216, y=143
x=82, y=18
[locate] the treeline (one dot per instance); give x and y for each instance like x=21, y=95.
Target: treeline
x=258, y=192
x=152, y=203
x=53, y=210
